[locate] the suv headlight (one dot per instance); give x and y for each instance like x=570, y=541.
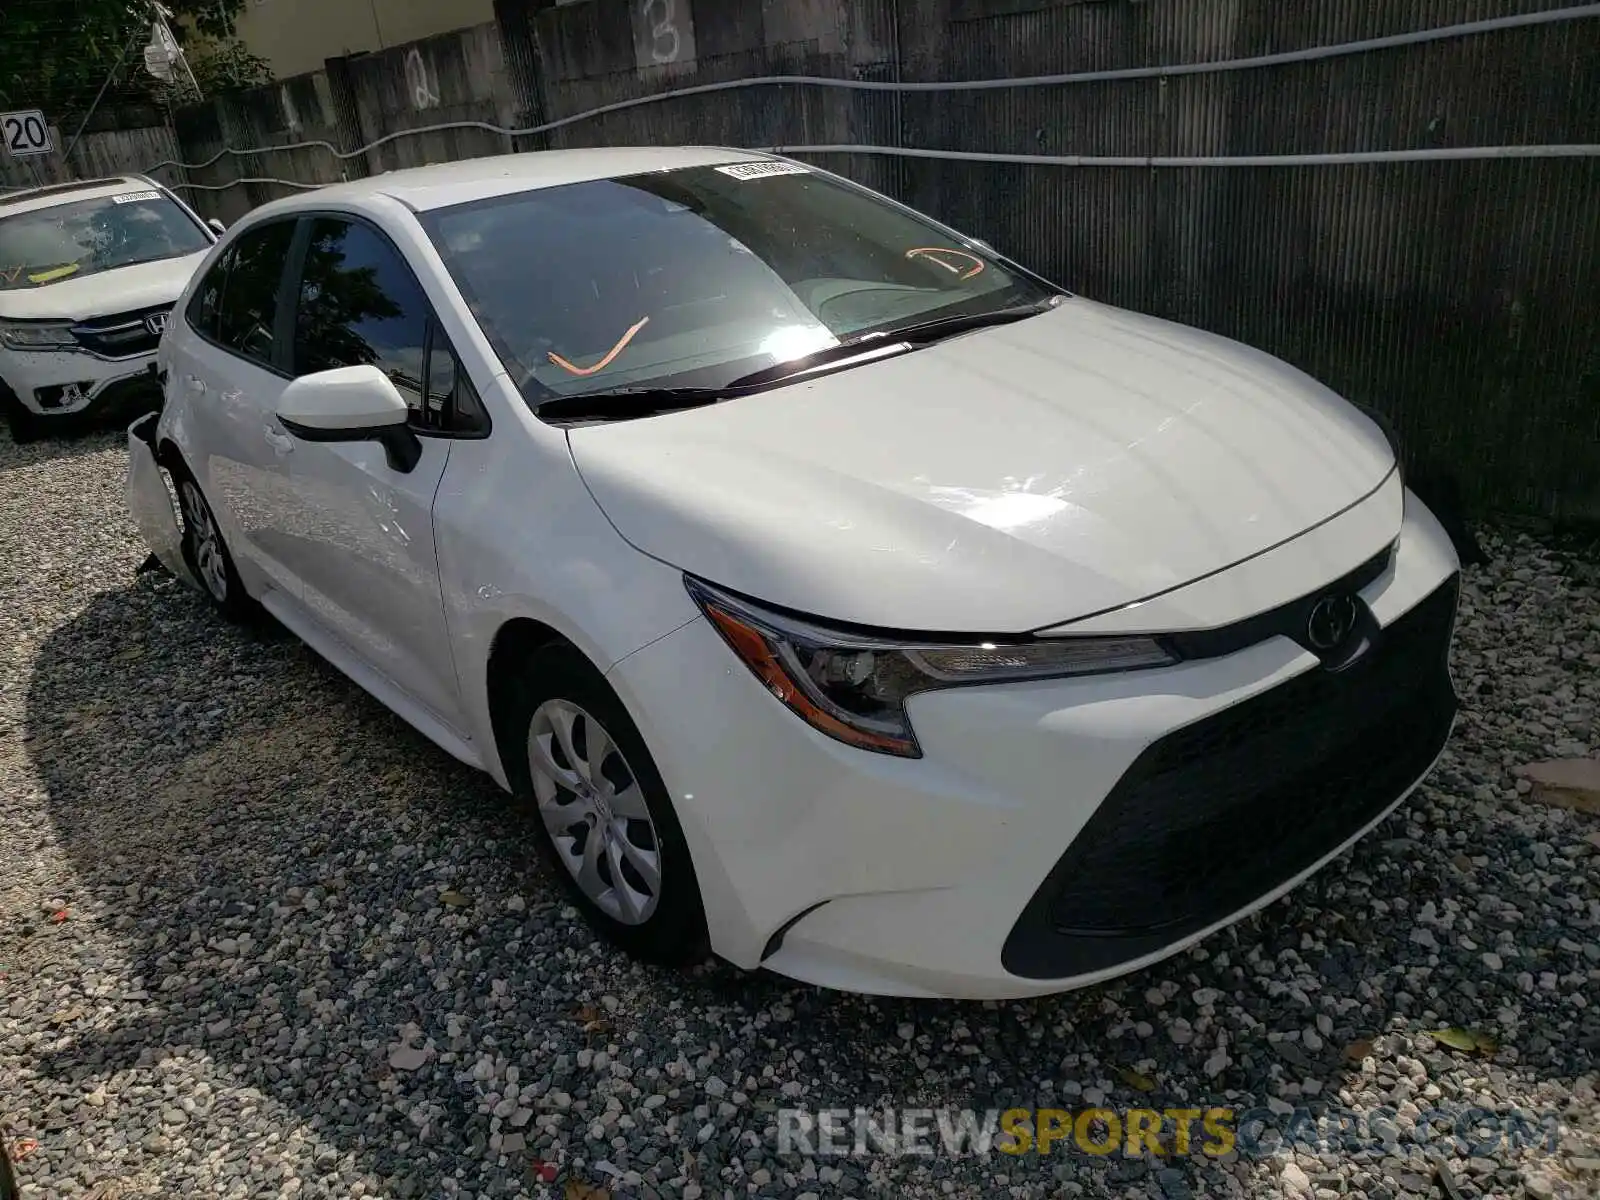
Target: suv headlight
x=853, y=686
x=37, y=336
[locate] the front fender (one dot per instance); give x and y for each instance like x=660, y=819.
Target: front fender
x=520, y=538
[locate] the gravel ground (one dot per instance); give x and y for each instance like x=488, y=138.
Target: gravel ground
x=305, y=953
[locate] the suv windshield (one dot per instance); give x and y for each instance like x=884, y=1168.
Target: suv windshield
x=696, y=277
x=84, y=237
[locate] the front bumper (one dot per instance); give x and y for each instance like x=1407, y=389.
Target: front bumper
x=65, y=383
x=1057, y=832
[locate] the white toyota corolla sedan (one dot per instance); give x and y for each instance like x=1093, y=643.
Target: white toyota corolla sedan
x=849, y=600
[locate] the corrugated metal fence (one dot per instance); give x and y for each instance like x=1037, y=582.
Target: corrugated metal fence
x=1460, y=297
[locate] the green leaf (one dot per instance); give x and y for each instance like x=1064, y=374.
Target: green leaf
x=1468, y=1041
x=1138, y=1082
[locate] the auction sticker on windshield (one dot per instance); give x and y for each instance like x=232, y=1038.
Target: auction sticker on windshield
x=760, y=170
x=131, y=197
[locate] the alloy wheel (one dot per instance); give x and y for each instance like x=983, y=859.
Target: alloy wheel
x=207, y=542
x=595, y=811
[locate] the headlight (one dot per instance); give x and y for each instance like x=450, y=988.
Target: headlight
x=37, y=336
x=854, y=687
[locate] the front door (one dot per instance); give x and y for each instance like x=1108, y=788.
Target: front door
x=367, y=568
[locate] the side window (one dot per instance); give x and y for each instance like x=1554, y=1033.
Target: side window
x=206, y=302
x=250, y=299
x=452, y=404
x=359, y=303
x=443, y=371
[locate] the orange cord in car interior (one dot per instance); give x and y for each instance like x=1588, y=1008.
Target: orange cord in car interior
x=935, y=251
x=621, y=345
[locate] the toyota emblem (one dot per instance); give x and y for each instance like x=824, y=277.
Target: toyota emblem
x=1331, y=620
x=156, y=323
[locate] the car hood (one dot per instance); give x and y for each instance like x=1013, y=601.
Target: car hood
x=143, y=285
x=1006, y=480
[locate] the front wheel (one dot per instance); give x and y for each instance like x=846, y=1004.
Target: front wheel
x=20, y=419
x=610, y=832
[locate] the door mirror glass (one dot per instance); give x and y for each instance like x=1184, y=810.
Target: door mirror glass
x=216, y=226
x=351, y=404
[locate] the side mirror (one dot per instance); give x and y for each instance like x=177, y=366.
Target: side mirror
x=351, y=404
x=216, y=227
x=983, y=245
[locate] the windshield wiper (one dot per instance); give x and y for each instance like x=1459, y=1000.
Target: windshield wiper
x=863, y=345
x=620, y=403
x=844, y=351
x=923, y=332
x=627, y=402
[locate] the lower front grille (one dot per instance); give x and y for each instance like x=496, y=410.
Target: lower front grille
x=1223, y=811
x=137, y=391
x=133, y=393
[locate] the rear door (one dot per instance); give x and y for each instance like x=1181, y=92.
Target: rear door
x=230, y=362
x=367, y=567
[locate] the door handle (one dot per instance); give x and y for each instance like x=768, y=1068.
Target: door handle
x=195, y=383
x=281, y=443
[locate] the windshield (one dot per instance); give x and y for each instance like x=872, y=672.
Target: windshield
x=696, y=277
x=84, y=237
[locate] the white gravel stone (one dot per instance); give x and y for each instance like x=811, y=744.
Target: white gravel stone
x=1295, y=1181
x=258, y=993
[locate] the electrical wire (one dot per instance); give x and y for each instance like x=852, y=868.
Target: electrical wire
x=1309, y=54
x=1154, y=161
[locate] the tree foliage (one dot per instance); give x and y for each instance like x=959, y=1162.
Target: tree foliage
x=219, y=67
x=56, y=54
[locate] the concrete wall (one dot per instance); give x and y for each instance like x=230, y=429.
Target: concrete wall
x=458, y=76
x=123, y=143
x=347, y=103
x=295, y=36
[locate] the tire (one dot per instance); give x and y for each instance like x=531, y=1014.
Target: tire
x=22, y=423
x=206, y=553
x=8, y=1181
x=655, y=919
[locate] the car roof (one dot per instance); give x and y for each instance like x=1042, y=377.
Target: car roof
x=446, y=184
x=13, y=203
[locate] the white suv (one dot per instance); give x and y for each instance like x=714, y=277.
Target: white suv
x=88, y=274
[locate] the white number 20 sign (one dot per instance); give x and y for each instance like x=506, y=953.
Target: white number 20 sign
x=25, y=133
